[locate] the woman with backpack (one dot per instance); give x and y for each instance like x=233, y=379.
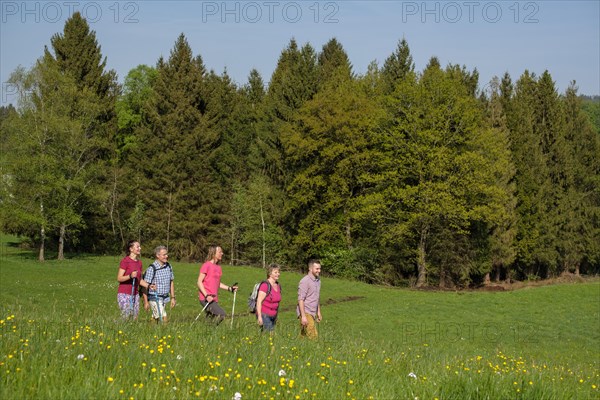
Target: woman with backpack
x=268, y=299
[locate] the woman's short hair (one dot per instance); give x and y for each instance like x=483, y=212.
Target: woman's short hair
x=271, y=268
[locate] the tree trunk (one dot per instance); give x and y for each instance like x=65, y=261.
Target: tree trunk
x=348, y=231
x=232, y=252
x=113, y=201
x=421, y=265
x=486, y=279
x=577, y=268
x=264, y=245
x=42, y=244
x=41, y=256
x=61, y=242
x=168, y=218
x=442, y=284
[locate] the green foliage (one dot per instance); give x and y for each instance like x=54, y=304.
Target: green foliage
x=130, y=106
x=396, y=177
x=592, y=110
x=256, y=215
x=333, y=152
x=447, y=171
x=356, y=263
x=57, y=143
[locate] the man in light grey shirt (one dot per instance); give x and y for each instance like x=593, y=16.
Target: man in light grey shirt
x=309, y=307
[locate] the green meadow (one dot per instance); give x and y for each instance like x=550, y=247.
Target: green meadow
x=61, y=337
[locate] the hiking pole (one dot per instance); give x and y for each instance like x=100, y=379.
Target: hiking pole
x=206, y=305
x=160, y=317
x=133, y=299
x=233, y=308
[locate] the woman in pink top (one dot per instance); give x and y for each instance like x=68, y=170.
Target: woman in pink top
x=209, y=283
x=268, y=299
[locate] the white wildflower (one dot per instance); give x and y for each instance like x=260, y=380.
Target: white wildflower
x=179, y=357
x=237, y=396
x=412, y=375
x=282, y=372
x=80, y=357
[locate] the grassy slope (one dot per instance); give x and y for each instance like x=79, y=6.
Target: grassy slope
x=555, y=325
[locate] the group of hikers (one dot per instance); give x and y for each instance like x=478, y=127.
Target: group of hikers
x=155, y=286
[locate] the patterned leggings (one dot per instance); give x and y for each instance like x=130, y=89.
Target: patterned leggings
x=127, y=309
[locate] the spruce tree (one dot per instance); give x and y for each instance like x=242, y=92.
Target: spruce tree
x=502, y=237
x=175, y=158
x=293, y=82
x=333, y=63
x=76, y=53
x=535, y=192
x=578, y=210
x=397, y=66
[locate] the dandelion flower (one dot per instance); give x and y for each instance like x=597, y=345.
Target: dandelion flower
x=282, y=372
x=412, y=375
x=110, y=379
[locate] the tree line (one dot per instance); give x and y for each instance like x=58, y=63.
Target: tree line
x=395, y=176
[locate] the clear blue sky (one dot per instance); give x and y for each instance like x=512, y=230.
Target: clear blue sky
x=493, y=36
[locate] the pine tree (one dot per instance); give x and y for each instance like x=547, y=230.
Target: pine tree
x=397, y=67
x=175, y=159
x=578, y=209
x=293, y=82
x=76, y=53
x=333, y=62
x=527, y=123
x=502, y=238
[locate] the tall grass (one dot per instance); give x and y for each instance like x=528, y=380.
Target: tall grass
x=61, y=337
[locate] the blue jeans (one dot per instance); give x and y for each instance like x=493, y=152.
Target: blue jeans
x=268, y=322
